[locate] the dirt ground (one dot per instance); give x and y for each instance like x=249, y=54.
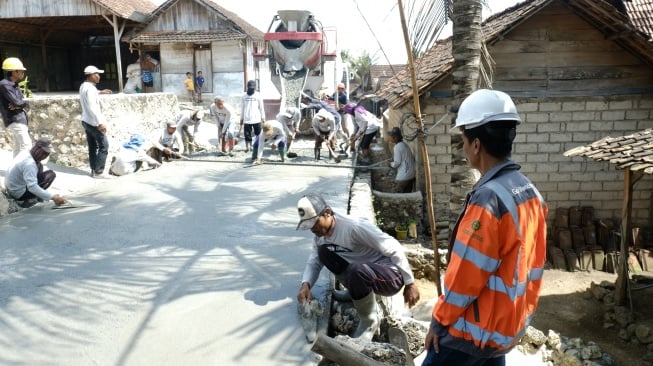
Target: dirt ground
x=567, y=308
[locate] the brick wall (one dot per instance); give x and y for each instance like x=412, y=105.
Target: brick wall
x=550, y=127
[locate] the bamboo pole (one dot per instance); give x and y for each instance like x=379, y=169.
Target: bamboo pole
x=422, y=144
x=340, y=352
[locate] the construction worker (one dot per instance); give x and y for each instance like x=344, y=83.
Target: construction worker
x=185, y=119
x=367, y=125
x=366, y=260
x=12, y=105
x=290, y=119
x=497, y=250
x=274, y=132
x=252, y=113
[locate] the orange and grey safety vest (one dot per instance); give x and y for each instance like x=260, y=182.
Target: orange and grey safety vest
x=497, y=255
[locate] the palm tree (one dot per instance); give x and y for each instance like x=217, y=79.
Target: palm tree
x=467, y=47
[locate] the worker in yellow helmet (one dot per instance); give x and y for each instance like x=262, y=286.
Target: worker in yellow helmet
x=13, y=105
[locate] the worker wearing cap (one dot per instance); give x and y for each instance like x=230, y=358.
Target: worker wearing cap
x=224, y=116
x=403, y=161
x=497, y=249
x=185, y=119
x=367, y=261
x=273, y=132
x=169, y=145
x=12, y=104
x=290, y=119
x=94, y=122
x=324, y=127
x=26, y=181
x=252, y=113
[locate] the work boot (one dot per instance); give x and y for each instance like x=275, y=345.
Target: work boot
x=248, y=145
x=254, y=153
x=317, y=153
x=368, y=315
x=282, y=153
x=342, y=295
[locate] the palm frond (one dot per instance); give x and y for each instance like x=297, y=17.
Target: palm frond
x=426, y=20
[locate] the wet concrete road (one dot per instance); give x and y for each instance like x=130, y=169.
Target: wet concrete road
x=194, y=263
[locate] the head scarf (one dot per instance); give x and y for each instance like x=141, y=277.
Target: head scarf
x=135, y=142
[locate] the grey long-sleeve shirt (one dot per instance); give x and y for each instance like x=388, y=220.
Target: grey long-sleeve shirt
x=363, y=242
x=22, y=177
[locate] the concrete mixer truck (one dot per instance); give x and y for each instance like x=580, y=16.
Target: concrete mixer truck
x=304, y=57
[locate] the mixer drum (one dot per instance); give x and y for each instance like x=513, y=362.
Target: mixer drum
x=296, y=41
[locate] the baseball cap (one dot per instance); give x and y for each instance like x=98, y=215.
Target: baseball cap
x=45, y=145
x=171, y=124
x=199, y=115
x=396, y=132
x=310, y=207
x=88, y=70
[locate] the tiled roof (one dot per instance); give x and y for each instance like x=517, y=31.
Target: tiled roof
x=437, y=62
x=385, y=71
x=641, y=15
x=187, y=36
x=633, y=151
x=136, y=10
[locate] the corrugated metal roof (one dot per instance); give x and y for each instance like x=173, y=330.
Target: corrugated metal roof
x=437, y=62
x=187, y=36
x=633, y=151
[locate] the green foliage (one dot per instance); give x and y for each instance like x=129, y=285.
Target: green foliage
x=379, y=219
x=23, y=87
x=360, y=66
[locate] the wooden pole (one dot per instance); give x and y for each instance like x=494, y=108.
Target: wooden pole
x=340, y=352
x=117, y=33
x=422, y=144
x=622, y=275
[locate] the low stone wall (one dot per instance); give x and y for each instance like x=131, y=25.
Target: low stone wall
x=58, y=118
x=398, y=208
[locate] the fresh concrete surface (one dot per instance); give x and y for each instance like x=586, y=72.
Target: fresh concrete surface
x=194, y=263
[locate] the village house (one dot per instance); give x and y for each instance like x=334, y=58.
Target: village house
x=57, y=39
x=198, y=35
x=578, y=71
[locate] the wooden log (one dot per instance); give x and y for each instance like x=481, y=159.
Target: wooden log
x=340, y=352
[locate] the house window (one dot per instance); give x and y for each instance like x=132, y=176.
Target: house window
x=110, y=72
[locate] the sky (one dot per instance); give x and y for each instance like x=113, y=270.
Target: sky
x=354, y=34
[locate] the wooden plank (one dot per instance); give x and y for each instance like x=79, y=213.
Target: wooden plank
x=569, y=21
x=520, y=73
x=597, y=72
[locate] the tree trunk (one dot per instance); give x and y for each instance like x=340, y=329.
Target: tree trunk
x=466, y=49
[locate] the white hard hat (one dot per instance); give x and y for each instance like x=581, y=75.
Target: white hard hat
x=89, y=70
x=483, y=106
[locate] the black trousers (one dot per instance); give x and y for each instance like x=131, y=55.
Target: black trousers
x=361, y=278
x=44, y=178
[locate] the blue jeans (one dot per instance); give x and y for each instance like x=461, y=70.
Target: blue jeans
x=98, y=148
x=448, y=356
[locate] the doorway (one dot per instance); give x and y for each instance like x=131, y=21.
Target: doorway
x=202, y=62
